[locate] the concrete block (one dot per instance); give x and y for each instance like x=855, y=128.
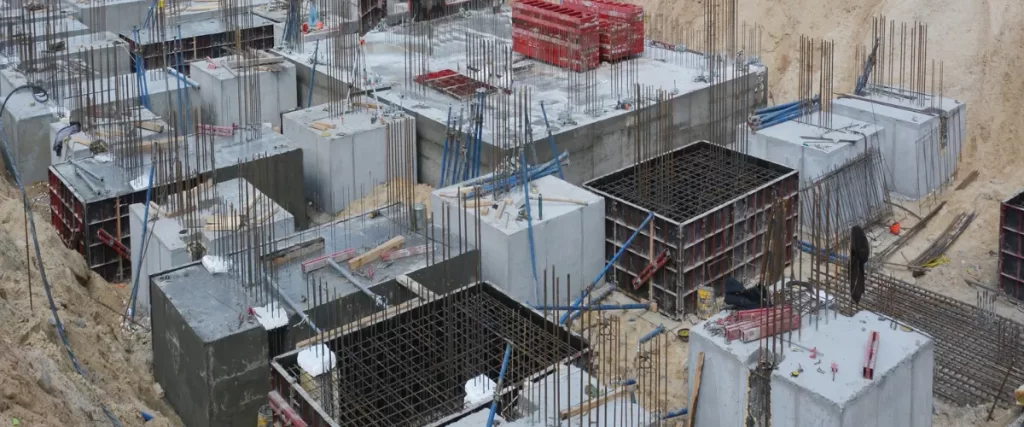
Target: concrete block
x=899, y=394
x=794, y=144
x=343, y=159
x=212, y=367
x=168, y=237
x=26, y=125
x=221, y=91
x=111, y=15
x=568, y=237
x=922, y=142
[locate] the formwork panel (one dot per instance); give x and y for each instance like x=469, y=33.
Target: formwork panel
x=711, y=208
x=1011, y=246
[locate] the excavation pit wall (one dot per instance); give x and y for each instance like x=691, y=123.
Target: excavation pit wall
x=900, y=392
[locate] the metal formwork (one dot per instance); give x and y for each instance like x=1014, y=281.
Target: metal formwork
x=711, y=222
x=1011, y=246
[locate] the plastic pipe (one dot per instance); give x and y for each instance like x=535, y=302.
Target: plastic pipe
x=600, y=296
x=497, y=388
x=650, y=335
x=676, y=413
x=551, y=138
x=447, y=134
x=579, y=300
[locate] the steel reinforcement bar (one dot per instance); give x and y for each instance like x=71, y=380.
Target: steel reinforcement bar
x=975, y=350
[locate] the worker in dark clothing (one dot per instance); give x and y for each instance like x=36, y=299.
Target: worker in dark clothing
x=860, y=251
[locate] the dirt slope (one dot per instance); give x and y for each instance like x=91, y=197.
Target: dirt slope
x=38, y=384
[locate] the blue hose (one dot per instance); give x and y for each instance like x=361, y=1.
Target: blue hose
x=312, y=78
x=529, y=226
x=579, y=300
x=497, y=387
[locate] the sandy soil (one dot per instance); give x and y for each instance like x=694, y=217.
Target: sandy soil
x=38, y=384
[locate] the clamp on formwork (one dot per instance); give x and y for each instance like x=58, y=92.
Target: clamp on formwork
x=649, y=271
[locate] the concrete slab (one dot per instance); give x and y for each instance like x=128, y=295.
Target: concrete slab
x=597, y=140
x=922, y=142
x=900, y=393
x=346, y=157
x=221, y=83
x=168, y=237
x=568, y=237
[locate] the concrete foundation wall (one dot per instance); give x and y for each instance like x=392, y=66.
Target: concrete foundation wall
x=220, y=90
x=915, y=162
x=343, y=162
x=595, y=149
x=114, y=16
x=26, y=124
x=213, y=371
x=569, y=238
x=900, y=394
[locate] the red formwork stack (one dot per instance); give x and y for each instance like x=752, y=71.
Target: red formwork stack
x=621, y=27
x=555, y=34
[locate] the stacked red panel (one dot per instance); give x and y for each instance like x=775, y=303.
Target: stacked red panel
x=557, y=35
x=621, y=25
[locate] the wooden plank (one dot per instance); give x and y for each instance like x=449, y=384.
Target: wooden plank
x=591, y=404
x=322, y=126
x=421, y=291
x=692, y=416
x=371, y=256
x=295, y=251
x=151, y=125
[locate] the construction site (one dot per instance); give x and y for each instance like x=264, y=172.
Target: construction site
x=613, y=213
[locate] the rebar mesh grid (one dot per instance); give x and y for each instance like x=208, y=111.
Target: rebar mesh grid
x=412, y=368
x=975, y=350
x=702, y=177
